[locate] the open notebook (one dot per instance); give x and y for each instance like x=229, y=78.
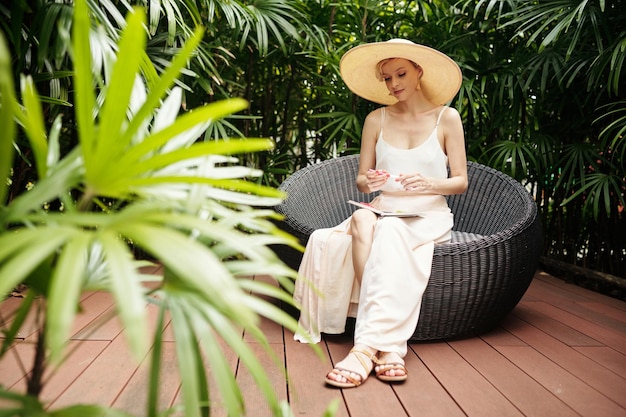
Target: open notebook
x=384, y=213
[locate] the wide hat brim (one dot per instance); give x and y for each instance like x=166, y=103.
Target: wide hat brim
x=440, y=82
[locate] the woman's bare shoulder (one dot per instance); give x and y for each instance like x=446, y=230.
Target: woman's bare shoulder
x=450, y=115
x=373, y=122
x=374, y=116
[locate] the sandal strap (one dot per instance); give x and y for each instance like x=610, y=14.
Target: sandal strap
x=379, y=359
x=391, y=366
x=366, y=365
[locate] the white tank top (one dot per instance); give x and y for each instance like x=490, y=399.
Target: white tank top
x=427, y=159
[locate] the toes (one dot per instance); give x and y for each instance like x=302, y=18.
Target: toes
x=336, y=376
x=388, y=370
x=341, y=377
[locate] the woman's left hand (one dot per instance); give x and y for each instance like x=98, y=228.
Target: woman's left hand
x=416, y=182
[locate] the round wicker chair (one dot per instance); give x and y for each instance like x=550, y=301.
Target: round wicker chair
x=476, y=279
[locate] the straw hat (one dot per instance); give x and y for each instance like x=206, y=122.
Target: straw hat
x=439, y=83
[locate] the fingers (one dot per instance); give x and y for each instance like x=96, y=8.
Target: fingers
x=415, y=182
x=376, y=178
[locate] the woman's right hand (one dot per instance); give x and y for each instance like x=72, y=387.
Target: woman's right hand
x=375, y=179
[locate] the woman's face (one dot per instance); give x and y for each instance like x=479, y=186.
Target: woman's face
x=401, y=77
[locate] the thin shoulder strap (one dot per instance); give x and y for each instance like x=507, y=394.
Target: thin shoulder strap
x=441, y=114
x=382, y=120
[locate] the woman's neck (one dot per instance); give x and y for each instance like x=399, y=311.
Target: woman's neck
x=414, y=104
x=414, y=109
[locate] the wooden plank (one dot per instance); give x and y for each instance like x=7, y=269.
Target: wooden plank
x=93, y=322
x=106, y=376
x=15, y=364
x=306, y=371
x=80, y=356
x=585, y=369
x=469, y=389
x=609, y=337
x=134, y=395
x=572, y=290
x=548, y=288
x=572, y=391
x=255, y=402
x=579, y=309
x=32, y=322
x=103, y=380
x=271, y=331
x=533, y=313
x=154, y=269
x=531, y=398
x=422, y=395
x=107, y=326
x=501, y=337
x=8, y=309
x=611, y=359
x=614, y=314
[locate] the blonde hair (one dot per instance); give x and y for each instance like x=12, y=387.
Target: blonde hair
x=379, y=67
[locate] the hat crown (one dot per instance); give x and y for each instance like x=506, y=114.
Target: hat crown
x=400, y=40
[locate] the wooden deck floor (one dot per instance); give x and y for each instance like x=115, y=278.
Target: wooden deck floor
x=561, y=352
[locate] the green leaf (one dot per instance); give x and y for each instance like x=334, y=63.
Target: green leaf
x=109, y=144
x=599, y=190
x=63, y=177
x=127, y=289
x=189, y=363
x=155, y=365
x=122, y=168
x=17, y=263
x=221, y=370
x=33, y=125
x=83, y=81
x=7, y=105
x=184, y=123
x=18, y=405
x=197, y=150
x=162, y=84
x=65, y=290
x=87, y=411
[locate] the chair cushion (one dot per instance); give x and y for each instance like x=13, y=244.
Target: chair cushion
x=463, y=237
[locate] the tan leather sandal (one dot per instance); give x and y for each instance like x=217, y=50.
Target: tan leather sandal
x=384, y=367
x=364, y=358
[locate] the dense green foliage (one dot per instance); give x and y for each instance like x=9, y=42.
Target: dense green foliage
x=543, y=94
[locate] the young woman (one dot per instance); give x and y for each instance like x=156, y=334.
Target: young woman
x=376, y=268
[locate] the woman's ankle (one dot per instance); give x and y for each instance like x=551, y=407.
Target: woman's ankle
x=364, y=348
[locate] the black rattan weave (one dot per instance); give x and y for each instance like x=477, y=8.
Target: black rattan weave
x=475, y=281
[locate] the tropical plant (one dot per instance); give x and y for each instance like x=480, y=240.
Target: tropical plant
x=138, y=178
